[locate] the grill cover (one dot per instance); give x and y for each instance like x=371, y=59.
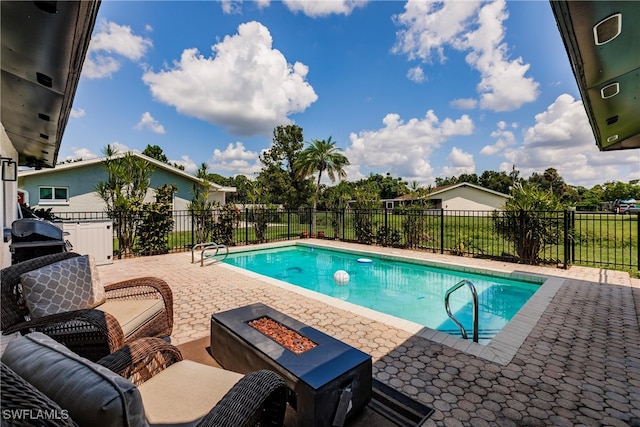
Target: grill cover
x=31, y=238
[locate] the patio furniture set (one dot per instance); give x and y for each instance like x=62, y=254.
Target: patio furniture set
x=79, y=353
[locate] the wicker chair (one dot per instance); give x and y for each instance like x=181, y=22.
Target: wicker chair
x=91, y=333
x=255, y=399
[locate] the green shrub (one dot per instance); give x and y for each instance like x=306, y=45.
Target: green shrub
x=223, y=228
x=156, y=222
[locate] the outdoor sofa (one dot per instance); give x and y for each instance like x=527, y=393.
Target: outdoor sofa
x=106, y=318
x=144, y=383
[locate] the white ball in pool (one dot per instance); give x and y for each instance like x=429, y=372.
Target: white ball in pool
x=341, y=277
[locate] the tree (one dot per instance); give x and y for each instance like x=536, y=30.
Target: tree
x=366, y=198
x=387, y=186
x=335, y=199
x=446, y=181
x=128, y=179
x=550, y=180
x=470, y=178
x=496, y=181
x=281, y=177
x=322, y=156
x=155, y=152
x=526, y=222
x=242, y=185
x=621, y=191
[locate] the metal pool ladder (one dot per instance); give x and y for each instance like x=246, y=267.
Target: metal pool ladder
x=475, y=308
x=208, y=247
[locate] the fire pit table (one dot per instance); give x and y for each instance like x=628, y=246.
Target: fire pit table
x=328, y=379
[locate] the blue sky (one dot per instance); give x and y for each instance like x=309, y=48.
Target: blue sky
x=417, y=89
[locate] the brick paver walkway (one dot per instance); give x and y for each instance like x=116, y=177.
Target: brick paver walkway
x=580, y=364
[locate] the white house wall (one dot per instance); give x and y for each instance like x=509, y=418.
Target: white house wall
x=218, y=197
x=9, y=195
x=91, y=202
x=467, y=198
x=81, y=182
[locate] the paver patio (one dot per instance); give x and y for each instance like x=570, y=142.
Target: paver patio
x=578, y=365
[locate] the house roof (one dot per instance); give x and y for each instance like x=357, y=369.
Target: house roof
x=444, y=188
x=603, y=54
x=158, y=164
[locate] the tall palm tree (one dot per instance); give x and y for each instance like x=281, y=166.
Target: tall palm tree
x=322, y=156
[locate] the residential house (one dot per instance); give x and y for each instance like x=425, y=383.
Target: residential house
x=462, y=196
x=70, y=187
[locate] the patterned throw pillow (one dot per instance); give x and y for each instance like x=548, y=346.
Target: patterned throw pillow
x=72, y=284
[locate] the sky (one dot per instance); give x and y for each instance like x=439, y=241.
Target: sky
x=418, y=89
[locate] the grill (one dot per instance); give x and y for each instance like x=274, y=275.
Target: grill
x=31, y=238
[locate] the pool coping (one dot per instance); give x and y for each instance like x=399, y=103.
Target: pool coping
x=502, y=347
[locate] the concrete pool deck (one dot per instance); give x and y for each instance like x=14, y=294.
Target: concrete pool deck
x=572, y=359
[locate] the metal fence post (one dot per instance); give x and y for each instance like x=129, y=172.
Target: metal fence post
x=193, y=237
x=344, y=216
x=246, y=226
x=638, y=234
x=573, y=235
x=386, y=221
x=567, y=239
x=119, y=234
x=441, y=230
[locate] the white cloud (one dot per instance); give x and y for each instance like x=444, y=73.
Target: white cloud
x=461, y=163
x=231, y=7
x=464, y=103
x=473, y=27
x=403, y=149
x=247, y=86
x=562, y=139
x=416, y=75
x=98, y=66
x=189, y=165
x=319, y=8
x=148, y=28
x=121, y=148
x=109, y=45
x=76, y=113
x=234, y=160
x=505, y=138
x=149, y=123
x=81, y=153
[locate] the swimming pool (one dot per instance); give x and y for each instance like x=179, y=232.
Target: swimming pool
x=410, y=291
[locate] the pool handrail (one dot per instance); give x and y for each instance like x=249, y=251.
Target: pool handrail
x=474, y=295
x=207, y=246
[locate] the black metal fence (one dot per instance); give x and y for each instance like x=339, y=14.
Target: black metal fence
x=561, y=238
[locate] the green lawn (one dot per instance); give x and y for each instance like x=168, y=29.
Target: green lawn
x=601, y=240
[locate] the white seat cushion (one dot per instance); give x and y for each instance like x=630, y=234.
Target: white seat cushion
x=132, y=313
x=185, y=392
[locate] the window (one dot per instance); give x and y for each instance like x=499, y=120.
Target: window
x=54, y=194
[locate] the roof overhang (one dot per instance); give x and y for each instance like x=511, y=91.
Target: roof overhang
x=602, y=39
x=44, y=44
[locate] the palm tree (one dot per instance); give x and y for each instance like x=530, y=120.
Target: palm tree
x=322, y=156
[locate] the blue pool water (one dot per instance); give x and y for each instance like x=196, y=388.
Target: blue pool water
x=406, y=290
